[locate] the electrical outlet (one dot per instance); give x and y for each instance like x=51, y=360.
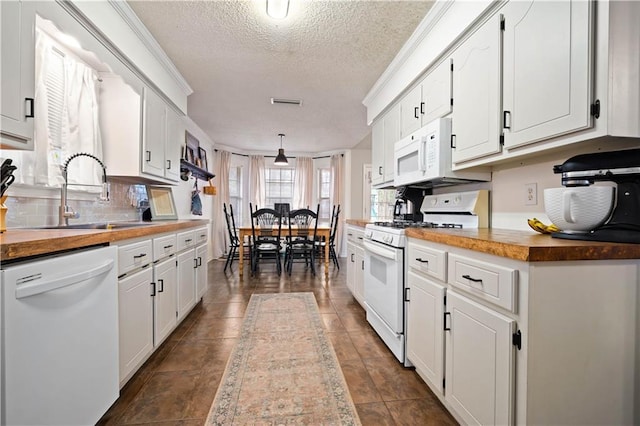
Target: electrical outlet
x=531, y=194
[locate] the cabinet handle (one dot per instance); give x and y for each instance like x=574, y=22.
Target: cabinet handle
x=407, y=294
x=363, y=265
x=31, y=107
x=421, y=260
x=153, y=289
x=447, y=328
x=415, y=112
x=169, y=246
x=168, y=164
x=470, y=278
x=360, y=238
x=453, y=141
x=148, y=155
x=504, y=119
x=161, y=282
x=351, y=235
x=188, y=240
x=138, y=256
x=380, y=170
x=352, y=260
x=195, y=263
x=421, y=108
x=199, y=261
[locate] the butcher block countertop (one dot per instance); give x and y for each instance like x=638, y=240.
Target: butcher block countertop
x=23, y=242
x=526, y=246
x=358, y=222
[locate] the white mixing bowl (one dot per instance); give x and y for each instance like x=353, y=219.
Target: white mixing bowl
x=579, y=209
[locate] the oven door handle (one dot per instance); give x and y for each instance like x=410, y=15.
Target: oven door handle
x=387, y=253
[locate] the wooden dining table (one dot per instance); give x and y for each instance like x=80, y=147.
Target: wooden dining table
x=323, y=230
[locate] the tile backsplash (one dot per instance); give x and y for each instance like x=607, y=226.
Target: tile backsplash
x=27, y=211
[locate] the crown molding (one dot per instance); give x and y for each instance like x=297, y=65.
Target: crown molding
x=131, y=19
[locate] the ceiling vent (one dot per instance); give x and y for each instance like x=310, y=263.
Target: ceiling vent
x=286, y=101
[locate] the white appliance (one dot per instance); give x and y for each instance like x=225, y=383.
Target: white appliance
x=424, y=157
x=386, y=268
x=60, y=338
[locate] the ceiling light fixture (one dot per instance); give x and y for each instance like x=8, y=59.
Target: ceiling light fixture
x=281, y=159
x=278, y=9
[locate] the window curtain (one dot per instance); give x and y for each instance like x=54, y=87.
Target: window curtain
x=79, y=129
x=337, y=194
x=221, y=236
x=257, y=183
x=303, y=184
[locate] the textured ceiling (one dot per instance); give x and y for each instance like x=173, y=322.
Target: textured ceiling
x=235, y=58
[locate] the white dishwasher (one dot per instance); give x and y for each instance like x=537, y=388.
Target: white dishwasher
x=60, y=338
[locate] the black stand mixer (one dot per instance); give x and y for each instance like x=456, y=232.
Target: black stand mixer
x=621, y=167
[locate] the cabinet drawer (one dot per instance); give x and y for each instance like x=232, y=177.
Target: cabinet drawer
x=201, y=235
x=494, y=283
x=186, y=239
x=134, y=255
x=164, y=246
x=355, y=235
x=428, y=261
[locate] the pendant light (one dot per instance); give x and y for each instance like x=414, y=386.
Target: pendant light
x=281, y=159
x=278, y=9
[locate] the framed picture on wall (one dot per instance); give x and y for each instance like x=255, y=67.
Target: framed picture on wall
x=192, y=148
x=202, y=153
x=161, y=203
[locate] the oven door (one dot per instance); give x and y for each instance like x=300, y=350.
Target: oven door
x=384, y=283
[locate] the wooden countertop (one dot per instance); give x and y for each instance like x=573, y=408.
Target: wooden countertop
x=358, y=222
x=22, y=242
x=525, y=245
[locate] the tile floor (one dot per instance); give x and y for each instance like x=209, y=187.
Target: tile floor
x=176, y=386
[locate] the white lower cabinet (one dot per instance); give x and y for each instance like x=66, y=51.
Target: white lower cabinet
x=355, y=263
x=202, y=274
x=479, y=362
x=502, y=341
x=136, y=321
x=165, y=277
x=187, y=264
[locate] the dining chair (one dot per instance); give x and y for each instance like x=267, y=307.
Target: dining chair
x=333, y=226
x=266, y=229
x=234, y=241
x=300, y=242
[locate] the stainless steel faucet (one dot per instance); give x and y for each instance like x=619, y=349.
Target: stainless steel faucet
x=65, y=212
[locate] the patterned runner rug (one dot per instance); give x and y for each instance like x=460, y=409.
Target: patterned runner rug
x=283, y=369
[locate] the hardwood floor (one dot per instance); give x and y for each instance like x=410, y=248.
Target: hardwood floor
x=176, y=386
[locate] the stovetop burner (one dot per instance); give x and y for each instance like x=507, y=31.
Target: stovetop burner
x=402, y=224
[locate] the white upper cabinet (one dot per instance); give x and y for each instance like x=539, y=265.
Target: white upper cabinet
x=427, y=101
x=547, y=69
x=18, y=75
x=476, y=122
x=384, y=134
x=136, y=121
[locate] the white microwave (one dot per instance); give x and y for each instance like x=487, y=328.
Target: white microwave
x=424, y=157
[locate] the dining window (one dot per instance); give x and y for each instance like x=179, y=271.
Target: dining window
x=324, y=193
x=279, y=183
x=235, y=193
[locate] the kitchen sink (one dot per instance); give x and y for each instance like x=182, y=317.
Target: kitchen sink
x=101, y=225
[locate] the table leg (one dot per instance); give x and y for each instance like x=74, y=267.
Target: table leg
x=241, y=254
x=326, y=257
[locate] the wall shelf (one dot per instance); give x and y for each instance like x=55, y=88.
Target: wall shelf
x=195, y=170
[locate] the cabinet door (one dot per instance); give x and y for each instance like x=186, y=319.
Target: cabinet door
x=135, y=312
x=411, y=109
x=391, y=136
x=187, y=263
x=165, y=306
x=547, y=80
x=17, y=36
x=476, y=123
x=201, y=271
x=436, y=93
x=154, y=135
x=351, y=267
x=174, y=141
x=377, y=152
x=359, y=279
x=425, y=331
x=479, y=362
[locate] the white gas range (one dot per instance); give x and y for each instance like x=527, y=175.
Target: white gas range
x=386, y=267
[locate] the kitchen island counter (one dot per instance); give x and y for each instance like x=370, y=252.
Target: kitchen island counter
x=23, y=242
x=526, y=246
